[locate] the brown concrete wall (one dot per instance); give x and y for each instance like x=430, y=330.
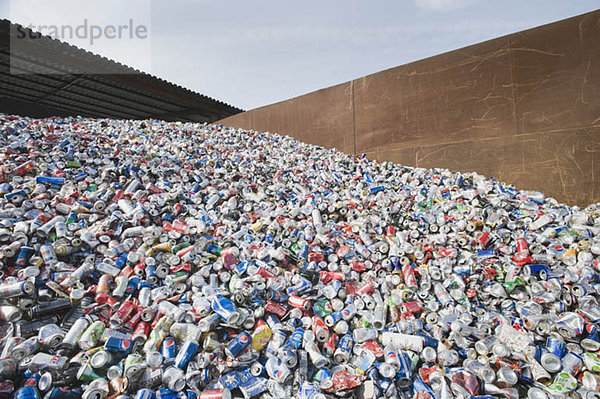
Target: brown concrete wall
x=523, y=108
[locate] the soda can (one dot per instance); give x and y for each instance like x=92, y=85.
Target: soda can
x=506, y=377
x=404, y=375
x=289, y=357
x=261, y=336
x=238, y=344
x=174, y=379
x=21, y=288
x=535, y=270
x=215, y=394
x=253, y=387
x=101, y=359
x=27, y=392
x=277, y=369
x=51, y=335
x=145, y=393
x=25, y=253
x=91, y=336
x=556, y=346
x=169, y=349
x=550, y=361
x=591, y=381
x=225, y=308
x=591, y=342
x=324, y=377
x=276, y=308
x=320, y=329
x=572, y=363
x=64, y=393
x=118, y=345
x=295, y=339
x=186, y=353
x=87, y=373
x=299, y=302
x=591, y=361
x=391, y=357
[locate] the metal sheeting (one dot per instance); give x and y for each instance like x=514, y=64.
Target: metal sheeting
x=61, y=86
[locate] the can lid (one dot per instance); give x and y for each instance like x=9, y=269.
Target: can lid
x=45, y=382
x=536, y=393
x=99, y=359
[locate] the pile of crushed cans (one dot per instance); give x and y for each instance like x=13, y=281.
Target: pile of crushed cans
x=150, y=259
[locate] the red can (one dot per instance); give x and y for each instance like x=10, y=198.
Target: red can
x=140, y=334
x=374, y=347
x=413, y=306
x=275, y=308
x=320, y=329
x=522, y=245
x=410, y=280
x=298, y=302
x=265, y=273
x=366, y=288
x=123, y=313
x=330, y=345
x=215, y=394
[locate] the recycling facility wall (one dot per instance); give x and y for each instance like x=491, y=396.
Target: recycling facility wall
x=523, y=108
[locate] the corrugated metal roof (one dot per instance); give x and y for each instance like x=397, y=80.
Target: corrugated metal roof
x=67, y=82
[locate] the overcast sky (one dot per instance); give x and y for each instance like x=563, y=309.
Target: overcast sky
x=253, y=53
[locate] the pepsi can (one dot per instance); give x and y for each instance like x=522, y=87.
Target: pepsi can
x=120, y=346
x=145, y=394
x=186, y=353
x=27, y=392
x=238, y=344
x=169, y=349
x=556, y=346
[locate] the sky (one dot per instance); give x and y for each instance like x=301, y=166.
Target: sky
x=253, y=53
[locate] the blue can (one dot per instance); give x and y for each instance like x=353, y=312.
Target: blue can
x=50, y=180
x=145, y=393
x=427, y=340
x=25, y=253
x=188, y=394
x=151, y=272
x=132, y=285
x=64, y=393
x=295, y=340
x=225, y=308
x=404, y=375
x=277, y=295
x=165, y=393
x=120, y=346
x=540, y=271
x=420, y=386
x=238, y=344
x=346, y=343
x=591, y=342
x=254, y=387
x=27, y=393
x=169, y=349
x=556, y=346
x=486, y=254
x=15, y=193
x=241, y=267
x=462, y=269
x=272, y=321
x=186, y=353
x=232, y=380
x=324, y=377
